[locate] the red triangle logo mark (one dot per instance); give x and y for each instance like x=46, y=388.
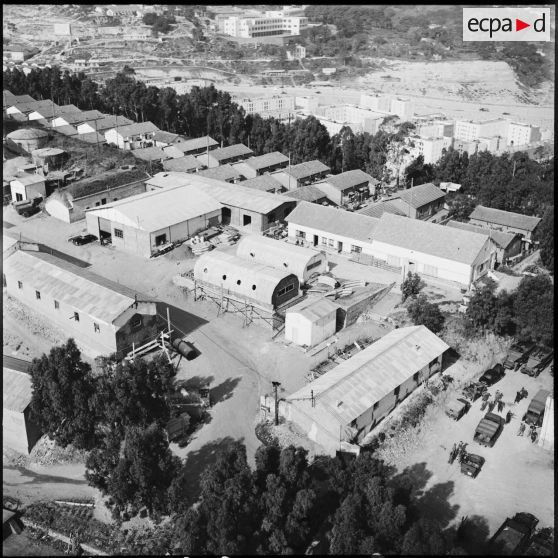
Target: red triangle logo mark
x=519, y=25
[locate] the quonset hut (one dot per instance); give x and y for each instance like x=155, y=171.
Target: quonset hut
x=236, y=284
x=303, y=262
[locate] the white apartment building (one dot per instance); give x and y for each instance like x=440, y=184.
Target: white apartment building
x=375, y=102
x=263, y=105
x=276, y=23
x=522, y=134
x=471, y=130
x=402, y=107
x=358, y=118
x=436, y=129
x=393, y=105
x=431, y=148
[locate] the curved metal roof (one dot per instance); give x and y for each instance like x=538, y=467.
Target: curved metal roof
x=27, y=133
x=242, y=277
x=276, y=253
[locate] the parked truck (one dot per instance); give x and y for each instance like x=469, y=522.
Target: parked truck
x=471, y=464
x=488, y=430
x=513, y=535
x=457, y=407
x=537, y=361
x=535, y=411
x=518, y=354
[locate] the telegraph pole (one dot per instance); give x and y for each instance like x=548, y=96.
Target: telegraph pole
x=275, y=388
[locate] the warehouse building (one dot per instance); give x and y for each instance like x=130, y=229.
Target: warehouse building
x=311, y=321
x=264, y=164
x=142, y=223
x=247, y=281
x=331, y=229
x=432, y=250
x=102, y=316
x=303, y=174
x=420, y=202
x=303, y=262
x=224, y=155
x=19, y=428
x=353, y=185
x=343, y=405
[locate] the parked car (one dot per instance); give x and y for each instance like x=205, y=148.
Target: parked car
x=81, y=239
x=535, y=411
x=488, y=430
x=513, y=535
x=457, y=407
x=518, y=353
x=538, y=360
x=472, y=464
x=492, y=375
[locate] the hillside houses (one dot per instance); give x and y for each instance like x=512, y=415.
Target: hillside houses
x=348, y=186
x=132, y=136
x=224, y=155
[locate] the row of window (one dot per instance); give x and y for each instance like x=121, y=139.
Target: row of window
x=96, y=326
x=285, y=290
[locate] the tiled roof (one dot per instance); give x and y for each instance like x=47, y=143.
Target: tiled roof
x=353, y=386
x=505, y=218
x=66, y=130
x=501, y=238
x=421, y=195
x=9, y=99
x=108, y=122
x=235, y=150
x=306, y=193
x=50, y=111
x=90, y=137
x=264, y=183
x=429, y=238
x=335, y=221
x=307, y=169
x=379, y=208
x=195, y=144
x=267, y=160
x=150, y=154
x=183, y=164
x=349, y=179
x=222, y=172
x=136, y=128
x=75, y=286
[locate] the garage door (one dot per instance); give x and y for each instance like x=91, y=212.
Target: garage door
x=104, y=225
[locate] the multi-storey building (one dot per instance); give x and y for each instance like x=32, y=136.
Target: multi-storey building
x=262, y=105
x=522, y=134
x=471, y=130
x=263, y=25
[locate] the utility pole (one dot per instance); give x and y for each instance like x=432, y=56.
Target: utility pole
x=275, y=388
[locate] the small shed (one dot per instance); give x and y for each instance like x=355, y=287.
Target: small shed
x=311, y=321
x=27, y=186
x=303, y=262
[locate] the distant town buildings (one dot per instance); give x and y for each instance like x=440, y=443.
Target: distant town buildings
x=268, y=106
x=266, y=24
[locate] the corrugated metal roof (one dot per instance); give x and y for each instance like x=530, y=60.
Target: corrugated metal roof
x=27, y=179
x=77, y=287
x=501, y=238
x=349, y=179
x=158, y=209
x=505, y=218
x=222, y=172
x=195, y=143
x=243, y=277
x=108, y=122
x=267, y=160
x=429, y=238
x=32, y=105
x=183, y=164
x=16, y=390
x=67, y=130
x=352, y=387
x=265, y=183
x=377, y=209
x=421, y=195
x=235, y=150
x=49, y=111
x=306, y=193
x=334, y=221
x=276, y=253
x=307, y=169
x=90, y=137
x=150, y=154
x=167, y=137
x=136, y=128
x=314, y=308
x=9, y=99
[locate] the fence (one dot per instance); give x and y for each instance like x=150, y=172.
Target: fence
x=368, y=259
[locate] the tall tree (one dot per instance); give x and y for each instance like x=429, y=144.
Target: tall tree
x=545, y=237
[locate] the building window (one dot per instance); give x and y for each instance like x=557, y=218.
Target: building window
x=96, y=327
x=356, y=249
x=38, y=295
x=324, y=241
x=97, y=204
x=76, y=316
x=300, y=234
x=313, y=265
x=136, y=322
x=56, y=305
x=330, y=242
x=396, y=391
x=118, y=233
x=19, y=285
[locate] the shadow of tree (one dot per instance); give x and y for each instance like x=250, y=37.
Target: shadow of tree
x=434, y=505
x=196, y=382
x=224, y=391
x=472, y=535
x=409, y=484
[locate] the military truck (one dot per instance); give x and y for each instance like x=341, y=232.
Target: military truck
x=457, y=407
x=538, y=360
x=513, y=535
x=471, y=464
x=518, y=354
x=535, y=411
x=488, y=430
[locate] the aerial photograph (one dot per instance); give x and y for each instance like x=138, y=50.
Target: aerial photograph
x=278, y=279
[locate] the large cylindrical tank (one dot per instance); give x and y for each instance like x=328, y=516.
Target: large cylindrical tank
x=28, y=139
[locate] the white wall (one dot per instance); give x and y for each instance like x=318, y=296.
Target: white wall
x=301, y=331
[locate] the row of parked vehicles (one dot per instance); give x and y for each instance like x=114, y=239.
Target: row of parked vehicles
x=528, y=358
x=518, y=536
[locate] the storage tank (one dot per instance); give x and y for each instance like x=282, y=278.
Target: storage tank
x=51, y=156
x=28, y=139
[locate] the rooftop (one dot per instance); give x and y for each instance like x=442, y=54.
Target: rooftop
x=429, y=238
x=16, y=389
x=314, y=308
x=136, y=128
x=67, y=130
x=421, y=195
x=222, y=172
x=267, y=160
x=150, y=154
x=195, y=144
x=72, y=285
x=27, y=133
x=108, y=122
x=353, y=386
x=379, y=208
x=307, y=169
x=27, y=178
x=501, y=238
x=165, y=137
x=90, y=137
x=52, y=111
x=306, y=193
x=335, y=221
x=349, y=179
x=505, y=218
x=265, y=183
x=182, y=164
x=235, y=150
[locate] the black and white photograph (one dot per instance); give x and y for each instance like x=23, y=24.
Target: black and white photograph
x=278, y=279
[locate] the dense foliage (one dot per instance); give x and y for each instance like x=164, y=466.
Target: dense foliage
x=423, y=312
x=61, y=399
x=545, y=237
x=411, y=286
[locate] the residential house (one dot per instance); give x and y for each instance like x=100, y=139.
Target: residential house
x=303, y=174
x=27, y=186
x=150, y=154
x=508, y=245
x=264, y=164
x=194, y=146
x=101, y=125
x=338, y=410
x=132, y=136
x=419, y=202
x=166, y=139
x=308, y=193
x=8, y=99
x=102, y=316
x=348, y=186
x=224, y=155
x=75, y=118
x=21, y=110
x=51, y=110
